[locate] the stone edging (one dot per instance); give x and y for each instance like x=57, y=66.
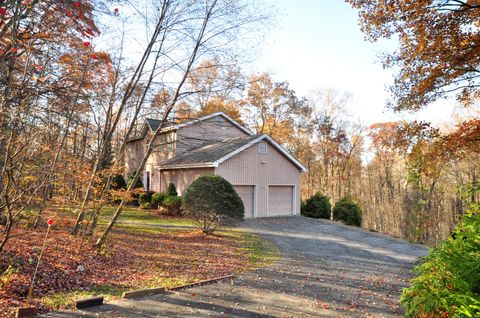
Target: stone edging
x=155, y=291
x=201, y=283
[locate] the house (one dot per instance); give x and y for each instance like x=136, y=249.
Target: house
x=265, y=175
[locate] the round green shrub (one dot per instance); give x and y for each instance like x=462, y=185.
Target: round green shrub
x=173, y=204
x=118, y=182
x=347, y=211
x=145, y=200
x=157, y=199
x=317, y=206
x=212, y=200
x=171, y=190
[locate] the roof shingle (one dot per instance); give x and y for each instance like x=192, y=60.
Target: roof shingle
x=208, y=153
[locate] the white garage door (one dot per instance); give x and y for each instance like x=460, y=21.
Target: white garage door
x=280, y=200
x=246, y=193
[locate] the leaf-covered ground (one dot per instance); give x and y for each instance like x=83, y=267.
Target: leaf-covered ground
x=133, y=257
x=326, y=270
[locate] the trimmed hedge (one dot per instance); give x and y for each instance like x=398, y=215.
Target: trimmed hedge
x=348, y=211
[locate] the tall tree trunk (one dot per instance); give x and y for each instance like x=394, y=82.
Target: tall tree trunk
x=200, y=37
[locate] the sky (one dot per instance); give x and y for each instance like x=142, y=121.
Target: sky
x=318, y=44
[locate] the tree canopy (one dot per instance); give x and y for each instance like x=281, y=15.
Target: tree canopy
x=438, y=54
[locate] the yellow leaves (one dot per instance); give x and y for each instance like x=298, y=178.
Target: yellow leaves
x=40, y=79
x=30, y=179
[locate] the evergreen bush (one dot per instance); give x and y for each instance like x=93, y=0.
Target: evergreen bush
x=173, y=204
x=171, y=190
x=157, y=199
x=138, y=184
x=118, y=182
x=448, y=280
x=348, y=211
x=211, y=200
x=145, y=200
x=317, y=206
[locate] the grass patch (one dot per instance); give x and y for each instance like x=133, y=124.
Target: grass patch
x=67, y=300
x=131, y=215
x=261, y=252
x=137, y=215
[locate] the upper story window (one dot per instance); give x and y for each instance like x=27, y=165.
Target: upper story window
x=262, y=147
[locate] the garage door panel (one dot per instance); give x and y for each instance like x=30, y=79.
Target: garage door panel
x=247, y=194
x=280, y=200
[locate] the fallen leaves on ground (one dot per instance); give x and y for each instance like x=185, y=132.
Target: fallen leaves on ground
x=130, y=259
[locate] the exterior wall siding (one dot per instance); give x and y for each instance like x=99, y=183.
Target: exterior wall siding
x=181, y=178
x=261, y=170
x=135, y=151
x=164, y=148
x=215, y=128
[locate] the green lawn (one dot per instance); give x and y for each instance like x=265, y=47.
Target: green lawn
x=137, y=215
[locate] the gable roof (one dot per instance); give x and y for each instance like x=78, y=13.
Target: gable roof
x=153, y=124
x=213, y=154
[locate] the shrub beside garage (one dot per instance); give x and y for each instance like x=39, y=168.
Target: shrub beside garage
x=212, y=202
x=317, y=206
x=348, y=211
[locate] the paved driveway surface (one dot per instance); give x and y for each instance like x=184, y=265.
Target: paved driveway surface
x=326, y=270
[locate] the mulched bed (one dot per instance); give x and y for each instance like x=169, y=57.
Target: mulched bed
x=130, y=259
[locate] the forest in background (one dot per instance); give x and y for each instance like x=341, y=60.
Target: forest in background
x=67, y=106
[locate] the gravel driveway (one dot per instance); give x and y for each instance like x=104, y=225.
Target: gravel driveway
x=326, y=270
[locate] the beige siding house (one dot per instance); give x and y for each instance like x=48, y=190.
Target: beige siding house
x=265, y=175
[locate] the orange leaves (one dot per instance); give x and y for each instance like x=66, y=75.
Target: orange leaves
x=437, y=47
x=464, y=139
x=383, y=135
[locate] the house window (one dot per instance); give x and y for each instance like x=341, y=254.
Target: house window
x=262, y=147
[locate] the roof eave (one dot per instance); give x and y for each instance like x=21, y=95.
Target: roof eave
x=189, y=166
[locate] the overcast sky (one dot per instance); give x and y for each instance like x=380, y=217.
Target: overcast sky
x=318, y=44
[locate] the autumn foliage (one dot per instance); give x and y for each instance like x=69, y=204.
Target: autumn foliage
x=137, y=259
x=438, y=52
